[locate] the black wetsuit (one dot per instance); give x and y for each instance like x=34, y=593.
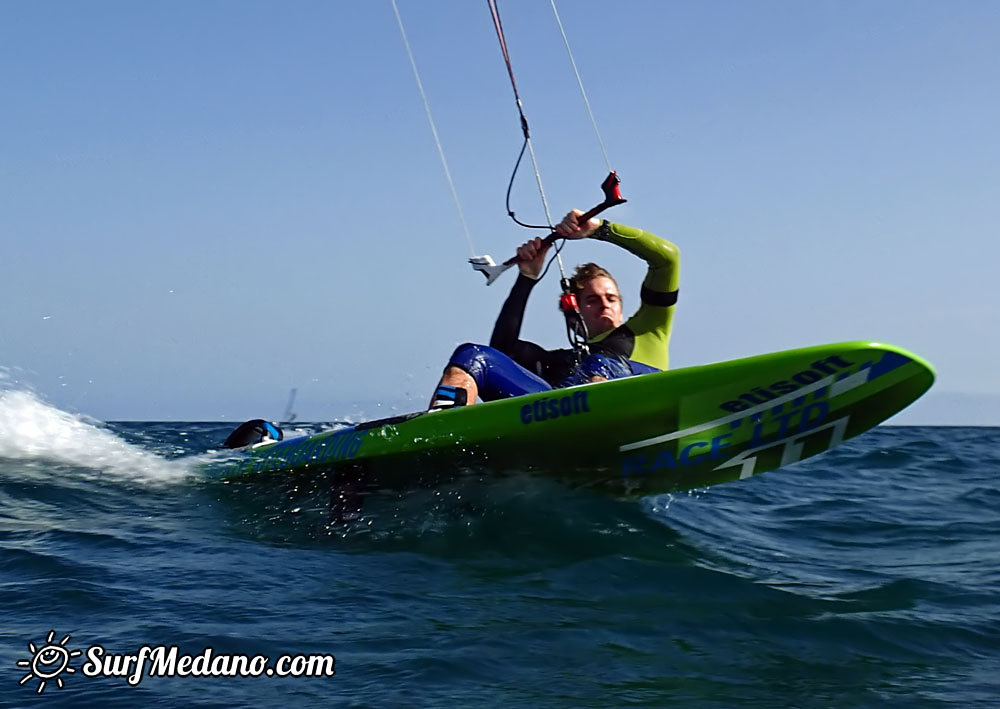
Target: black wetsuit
x=642, y=340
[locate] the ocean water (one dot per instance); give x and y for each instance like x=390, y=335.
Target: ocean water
x=866, y=577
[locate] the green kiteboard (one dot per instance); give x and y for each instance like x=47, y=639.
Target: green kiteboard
x=671, y=430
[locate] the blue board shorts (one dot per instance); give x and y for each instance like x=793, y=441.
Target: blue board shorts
x=499, y=377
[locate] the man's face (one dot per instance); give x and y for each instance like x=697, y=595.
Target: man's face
x=601, y=305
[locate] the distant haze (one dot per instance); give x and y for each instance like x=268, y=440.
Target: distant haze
x=951, y=409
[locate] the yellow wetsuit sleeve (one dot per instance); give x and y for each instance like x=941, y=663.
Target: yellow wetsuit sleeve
x=652, y=322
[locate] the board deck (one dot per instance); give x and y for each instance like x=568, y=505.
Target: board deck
x=671, y=430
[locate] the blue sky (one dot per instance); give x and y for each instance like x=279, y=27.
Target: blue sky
x=205, y=204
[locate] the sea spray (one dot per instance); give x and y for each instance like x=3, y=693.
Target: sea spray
x=31, y=429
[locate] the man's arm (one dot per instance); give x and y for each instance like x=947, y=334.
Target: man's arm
x=663, y=277
x=507, y=330
x=551, y=365
x=648, y=331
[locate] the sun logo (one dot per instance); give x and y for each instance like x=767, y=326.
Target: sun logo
x=48, y=661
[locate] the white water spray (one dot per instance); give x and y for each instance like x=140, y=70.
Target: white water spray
x=30, y=429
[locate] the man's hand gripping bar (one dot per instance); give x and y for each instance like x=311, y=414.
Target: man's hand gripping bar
x=612, y=196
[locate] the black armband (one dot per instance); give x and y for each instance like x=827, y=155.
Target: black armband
x=659, y=298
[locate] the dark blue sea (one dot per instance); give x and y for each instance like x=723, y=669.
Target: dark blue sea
x=866, y=577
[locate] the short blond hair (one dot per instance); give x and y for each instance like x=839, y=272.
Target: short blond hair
x=585, y=274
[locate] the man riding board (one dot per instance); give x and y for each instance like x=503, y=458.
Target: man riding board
x=617, y=348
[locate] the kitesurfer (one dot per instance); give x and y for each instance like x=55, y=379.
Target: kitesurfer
x=511, y=366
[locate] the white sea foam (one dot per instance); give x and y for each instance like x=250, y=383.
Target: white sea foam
x=31, y=429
